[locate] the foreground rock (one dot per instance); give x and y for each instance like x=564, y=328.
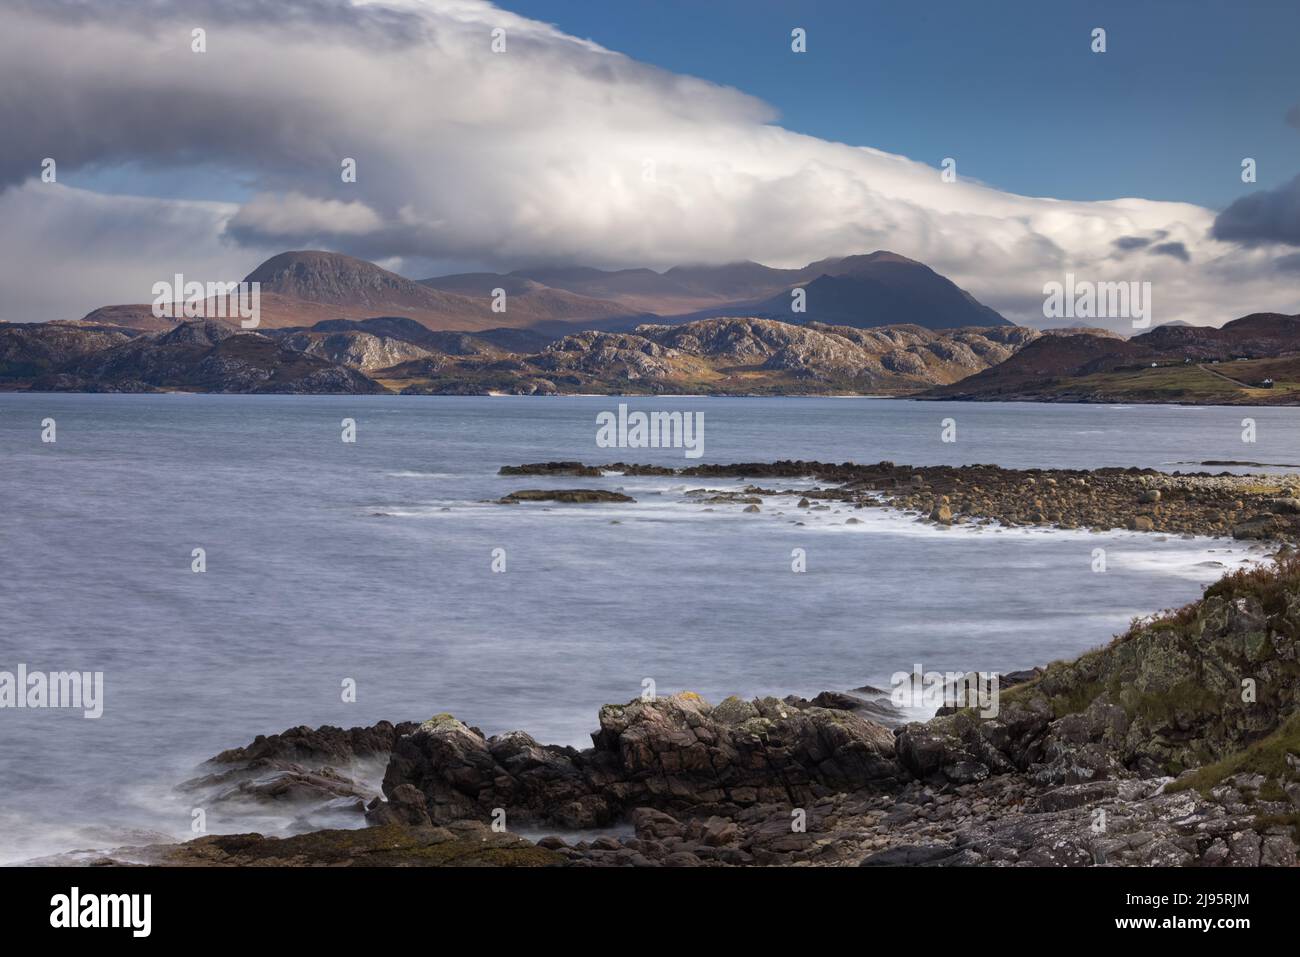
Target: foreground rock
x=673, y=754
x=464, y=844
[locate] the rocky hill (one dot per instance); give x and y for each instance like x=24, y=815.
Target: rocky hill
x=726, y=356
x=1251, y=360
x=30, y=350
x=201, y=356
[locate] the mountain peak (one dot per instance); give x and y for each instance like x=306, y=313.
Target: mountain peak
x=321, y=276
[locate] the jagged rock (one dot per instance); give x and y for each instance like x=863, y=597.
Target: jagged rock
x=669, y=753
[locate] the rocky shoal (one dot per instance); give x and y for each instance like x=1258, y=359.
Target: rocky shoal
x=1256, y=506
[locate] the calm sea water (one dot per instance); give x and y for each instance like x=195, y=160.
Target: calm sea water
x=372, y=561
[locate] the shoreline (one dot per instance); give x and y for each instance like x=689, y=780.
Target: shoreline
x=1146, y=732
x=1246, y=507
x=918, y=396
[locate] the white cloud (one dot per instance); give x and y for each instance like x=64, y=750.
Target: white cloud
x=64, y=251
x=556, y=150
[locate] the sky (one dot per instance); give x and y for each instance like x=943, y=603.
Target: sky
x=1011, y=88
x=646, y=133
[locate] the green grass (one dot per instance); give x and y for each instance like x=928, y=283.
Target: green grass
x=1266, y=756
x=1192, y=384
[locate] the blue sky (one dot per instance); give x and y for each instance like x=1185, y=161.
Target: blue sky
x=1011, y=89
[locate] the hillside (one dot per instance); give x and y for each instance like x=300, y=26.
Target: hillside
x=1254, y=360
x=199, y=356
x=725, y=356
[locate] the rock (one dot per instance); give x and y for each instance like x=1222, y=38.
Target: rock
x=463, y=844
x=552, y=468
x=405, y=805
x=909, y=855
x=655, y=824
x=1149, y=497
x=572, y=495
x=672, y=753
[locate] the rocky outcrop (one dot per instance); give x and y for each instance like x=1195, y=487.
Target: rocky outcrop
x=569, y=495
x=357, y=350
x=731, y=355
x=1182, y=691
x=203, y=356
x=29, y=351
x=672, y=753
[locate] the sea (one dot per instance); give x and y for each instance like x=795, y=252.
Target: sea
x=345, y=582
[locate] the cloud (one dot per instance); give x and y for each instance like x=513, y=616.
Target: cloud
x=1176, y=250
x=1288, y=263
x=295, y=217
x=1267, y=216
x=64, y=251
x=555, y=151
x=1126, y=243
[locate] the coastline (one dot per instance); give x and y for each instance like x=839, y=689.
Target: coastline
x=691, y=784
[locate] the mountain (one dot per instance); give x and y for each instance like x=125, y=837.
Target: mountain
x=529, y=302
x=358, y=289
x=1251, y=360
x=202, y=356
x=879, y=289
x=276, y=311
x=302, y=289
x=635, y=290
x=724, y=356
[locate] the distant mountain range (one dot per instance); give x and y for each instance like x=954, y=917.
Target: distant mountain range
x=877, y=323
x=712, y=356
x=301, y=289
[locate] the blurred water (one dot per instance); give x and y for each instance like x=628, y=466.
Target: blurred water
x=372, y=561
